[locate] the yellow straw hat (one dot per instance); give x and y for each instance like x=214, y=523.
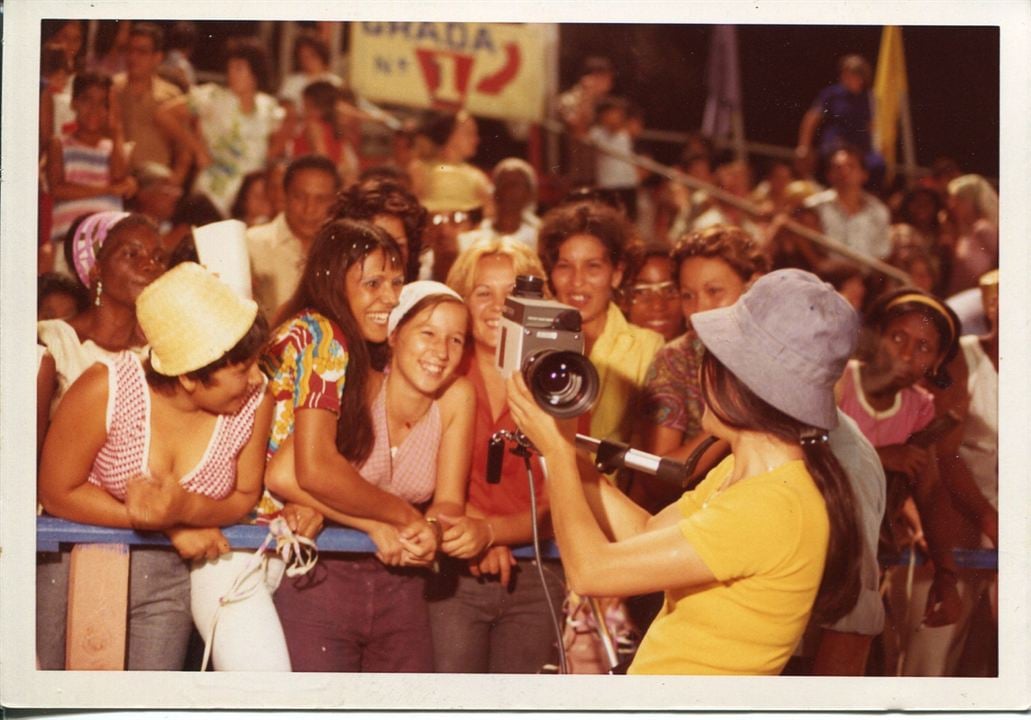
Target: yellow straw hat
x=454, y=188
x=191, y=319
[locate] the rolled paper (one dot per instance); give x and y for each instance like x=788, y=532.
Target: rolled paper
x=222, y=249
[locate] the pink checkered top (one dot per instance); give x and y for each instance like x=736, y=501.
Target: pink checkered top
x=411, y=473
x=125, y=453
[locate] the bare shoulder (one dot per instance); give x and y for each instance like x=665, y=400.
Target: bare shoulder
x=92, y=384
x=84, y=405
x=458, y=397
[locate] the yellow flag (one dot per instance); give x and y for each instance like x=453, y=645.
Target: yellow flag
x=889, y=87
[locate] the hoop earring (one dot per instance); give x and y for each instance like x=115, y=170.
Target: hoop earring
x=100, y=289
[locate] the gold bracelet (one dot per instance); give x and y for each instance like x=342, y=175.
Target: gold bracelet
x=438, y=530
x=490, y=527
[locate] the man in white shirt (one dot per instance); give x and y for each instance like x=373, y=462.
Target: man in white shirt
x=848, y=214
x=279, y=249
x=611, y=172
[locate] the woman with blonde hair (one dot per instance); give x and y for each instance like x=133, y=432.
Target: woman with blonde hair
x=974, y=207
x=488, y=612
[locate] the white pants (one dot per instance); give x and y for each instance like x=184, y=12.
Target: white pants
x=934, y=652
x=248, y=634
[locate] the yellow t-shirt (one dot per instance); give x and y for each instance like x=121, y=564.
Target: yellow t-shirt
x=765, y=540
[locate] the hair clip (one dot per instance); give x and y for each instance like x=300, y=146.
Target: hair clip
x=812, y=437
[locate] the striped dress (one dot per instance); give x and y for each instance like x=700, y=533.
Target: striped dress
x=85, y=165
x=126, y=452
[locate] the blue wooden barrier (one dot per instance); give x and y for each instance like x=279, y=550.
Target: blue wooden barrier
x=51, y=532
x=969, y=558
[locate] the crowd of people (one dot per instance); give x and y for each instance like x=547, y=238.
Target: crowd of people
x=355, y=381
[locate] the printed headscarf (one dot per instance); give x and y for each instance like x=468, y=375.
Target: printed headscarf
x=89, y=238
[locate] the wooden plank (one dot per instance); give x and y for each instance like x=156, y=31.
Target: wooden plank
x=98, y=601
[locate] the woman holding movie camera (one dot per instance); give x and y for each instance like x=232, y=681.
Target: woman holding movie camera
x=770, y=536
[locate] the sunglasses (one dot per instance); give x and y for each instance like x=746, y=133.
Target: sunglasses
x=644, y=292
x=457, y=217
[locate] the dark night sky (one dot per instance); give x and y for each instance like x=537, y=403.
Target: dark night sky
x=953, y=78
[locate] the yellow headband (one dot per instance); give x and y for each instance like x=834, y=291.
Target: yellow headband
x=929, y=302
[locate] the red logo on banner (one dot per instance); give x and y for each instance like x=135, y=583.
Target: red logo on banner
x=447, y=75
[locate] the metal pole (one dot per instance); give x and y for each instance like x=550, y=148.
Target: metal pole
x=910, y=168
x=820, y=239
x=551, y=54
x=603, y=633
x=287, y=34
x=908, y=143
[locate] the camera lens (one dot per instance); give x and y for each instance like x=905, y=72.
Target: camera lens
x=562, y=382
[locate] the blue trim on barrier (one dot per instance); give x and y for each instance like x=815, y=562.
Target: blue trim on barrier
x=968, y=558
x=51, y=532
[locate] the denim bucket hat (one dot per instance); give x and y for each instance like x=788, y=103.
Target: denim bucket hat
x=787, y=339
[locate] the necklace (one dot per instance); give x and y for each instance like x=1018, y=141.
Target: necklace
x=403, y=426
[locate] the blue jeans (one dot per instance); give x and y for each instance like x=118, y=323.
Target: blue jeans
x=481, y=627
x=159, y=609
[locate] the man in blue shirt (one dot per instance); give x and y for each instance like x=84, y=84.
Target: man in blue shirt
x=842, y=113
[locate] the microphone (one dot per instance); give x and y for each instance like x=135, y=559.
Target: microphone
x=495, y=457
x=610, y=455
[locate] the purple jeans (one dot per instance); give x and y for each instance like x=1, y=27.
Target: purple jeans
x=353, y=614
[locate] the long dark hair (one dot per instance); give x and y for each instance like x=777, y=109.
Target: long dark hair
x=338, y=246
x=738, y=407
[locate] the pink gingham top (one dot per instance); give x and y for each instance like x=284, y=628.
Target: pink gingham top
x=411, y=473
x=126, y=452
